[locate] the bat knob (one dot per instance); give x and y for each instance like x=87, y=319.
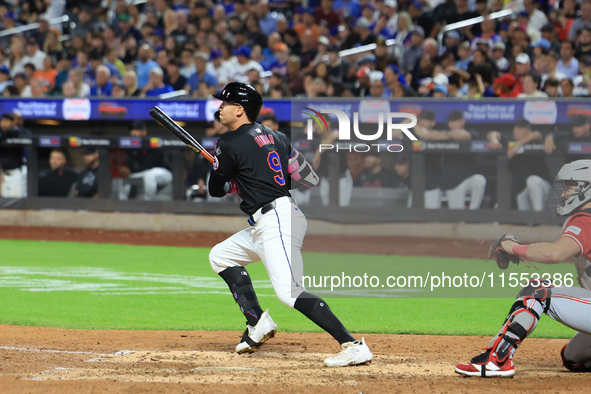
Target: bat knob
x=216, y=116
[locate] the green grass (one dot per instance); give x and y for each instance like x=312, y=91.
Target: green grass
x=108, y=286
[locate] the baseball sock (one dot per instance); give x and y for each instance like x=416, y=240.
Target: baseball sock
x=240, y=285
x=317, y=310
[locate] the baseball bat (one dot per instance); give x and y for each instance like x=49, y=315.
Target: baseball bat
x=175, y=129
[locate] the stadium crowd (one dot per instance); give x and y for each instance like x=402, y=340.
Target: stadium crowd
x=291, y=48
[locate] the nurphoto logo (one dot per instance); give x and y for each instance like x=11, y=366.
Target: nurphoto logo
x=394, y=131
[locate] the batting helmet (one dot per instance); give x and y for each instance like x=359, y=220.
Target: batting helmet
x=241, y=94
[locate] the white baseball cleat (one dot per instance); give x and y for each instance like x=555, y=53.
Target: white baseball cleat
x=353, y=353
x=257, y=335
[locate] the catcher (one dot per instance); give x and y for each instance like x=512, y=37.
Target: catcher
x=570, y=306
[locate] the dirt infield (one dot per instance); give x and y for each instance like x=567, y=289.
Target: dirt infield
x=45, y=360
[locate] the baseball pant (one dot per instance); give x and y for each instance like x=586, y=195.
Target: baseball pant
x=276, y=239
x=14, y=183
x=474, y=186
x=571, y=306
x=533, y=196
x=345, y=190
x=152, y=179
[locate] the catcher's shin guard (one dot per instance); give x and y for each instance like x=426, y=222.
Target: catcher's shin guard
x=241, y=287
x=532, y=301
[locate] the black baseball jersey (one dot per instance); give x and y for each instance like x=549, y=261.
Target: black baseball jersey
x=10, y=157
x=255, y=158
x=56, y=183
x=87, y=184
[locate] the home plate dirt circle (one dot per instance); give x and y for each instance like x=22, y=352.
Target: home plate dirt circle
x=34, y=359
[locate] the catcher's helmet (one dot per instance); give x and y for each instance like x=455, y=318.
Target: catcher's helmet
x=241, y=94
x=578, y=171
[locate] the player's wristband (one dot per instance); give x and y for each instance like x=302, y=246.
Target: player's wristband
x=520, y=250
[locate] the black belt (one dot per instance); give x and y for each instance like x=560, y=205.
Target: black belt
x=265, y=209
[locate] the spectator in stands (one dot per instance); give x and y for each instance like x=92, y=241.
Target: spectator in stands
x=551, y=87
x=87, y=182
x=366, y=37
x=568, y=65
x=163, y=58
x=531, y=87
x=255, y=36
x=173, y=76
x=103, y=87
x=9, y=20
x=35, y=89
x=144, y=65
x=181, y=32
x=551, y=64
x=16, y=57
x=85, y=23
x=21, y=83
x=295, y=77
x=374, y=174
x=282, y=55
x=522, y=67
x=114, y=64
x=537, y=19
x=57, y=181
x=69, y=90
x=130, y=82
x=201, y=74
x=63, y=68
x=156, y=85
x=119, y=90
x=4, y=78
x=11, y=91
x=309, y=48
x=414, y=52
x=530, y=178
x=47, y=74
x=34, y=55
x=402, y=35
x=582, y=21
x=52, y=45
x=146, y=167
x=82, y=88
x=498, y=56
x=30, y=70
x=567, y=87
x=242, y=64
x=267, y=19
x=549, y=34
x=13, y=171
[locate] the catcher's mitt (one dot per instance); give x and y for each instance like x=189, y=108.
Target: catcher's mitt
x=497, y=253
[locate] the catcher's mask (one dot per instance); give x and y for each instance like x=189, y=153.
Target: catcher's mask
x=572, y=187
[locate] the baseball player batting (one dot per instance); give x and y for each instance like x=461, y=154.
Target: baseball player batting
x=260, y=164
x=570, y=306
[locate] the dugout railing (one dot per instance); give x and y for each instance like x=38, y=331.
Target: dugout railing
x=361, y=212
